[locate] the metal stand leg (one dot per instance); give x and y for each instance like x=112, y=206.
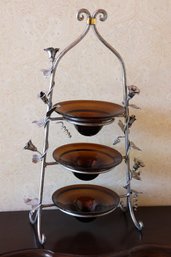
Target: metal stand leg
x=138, y=224
x=35, y=214
x=41, y=237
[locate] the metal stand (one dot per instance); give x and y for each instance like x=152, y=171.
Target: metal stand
x=35, y=213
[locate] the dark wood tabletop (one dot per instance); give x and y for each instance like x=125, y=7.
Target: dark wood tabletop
x=104, y=236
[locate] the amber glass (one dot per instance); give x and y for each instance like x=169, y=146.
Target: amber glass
x=87, y=158
x=85, y=177
x=85, y=200
x=88, y=110
x=88, y=130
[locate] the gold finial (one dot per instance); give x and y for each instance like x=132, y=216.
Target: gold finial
x=91, y=21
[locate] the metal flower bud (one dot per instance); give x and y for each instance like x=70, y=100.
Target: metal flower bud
x=121, y=125
x=51, y=52
x=137, y=164
x=43, y=97
x=133, y=90
x=132, y=118
x=136, y=174
x=30, y=146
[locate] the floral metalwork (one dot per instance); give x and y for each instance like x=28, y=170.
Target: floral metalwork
x=43, y=97
x=41, y=122
x=51, y=52
x=47, y=72
x=137, y=164
x=30, y=146
x=134, y=106
x=132, y=145
x=128, y=93
x=131, y=120
x=66, y=131
x=133, y=90
x=31, y=201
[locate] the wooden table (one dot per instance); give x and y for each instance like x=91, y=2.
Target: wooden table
x=103, y=236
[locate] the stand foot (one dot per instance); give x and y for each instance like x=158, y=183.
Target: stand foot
x=35, y=219
x=138, y=224
x=125, y=207
x=33, y=216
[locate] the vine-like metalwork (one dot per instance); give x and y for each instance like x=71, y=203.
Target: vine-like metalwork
x=55, y=55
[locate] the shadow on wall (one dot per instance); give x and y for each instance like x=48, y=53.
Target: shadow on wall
x=153, y=127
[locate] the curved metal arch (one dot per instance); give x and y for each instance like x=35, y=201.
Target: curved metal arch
x=91, y=21
x=80, y=16
x=103, y=16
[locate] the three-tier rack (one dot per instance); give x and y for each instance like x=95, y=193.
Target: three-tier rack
x=85, y=123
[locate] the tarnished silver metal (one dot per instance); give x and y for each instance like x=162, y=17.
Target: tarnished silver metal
x=52, y=52
x=127, y=117
x=41, y=122
x=88, y=215
x=56, y=118
x=80, y=16
x=138, y=224
x=51, y=163
x=118, y=140
x=66, y=131
x=40, y=235
x=33, y=216
x=91, y=20
x=43, y=97
x=132, y=145
x=90, y=124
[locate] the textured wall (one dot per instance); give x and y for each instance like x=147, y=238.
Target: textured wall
x=141, y=31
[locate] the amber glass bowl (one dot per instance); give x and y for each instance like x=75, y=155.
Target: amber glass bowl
x=85, y=201
x=87, y=160
x=89, y=116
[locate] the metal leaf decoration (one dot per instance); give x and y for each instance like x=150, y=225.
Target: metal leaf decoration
x=36, y=158
x=136, y=174
x=47, y=72
x=134, y=146
x=134, y=106
x=41, y=122
x=121, y=125
x=31, y=201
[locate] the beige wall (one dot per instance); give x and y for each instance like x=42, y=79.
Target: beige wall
x=141, y=31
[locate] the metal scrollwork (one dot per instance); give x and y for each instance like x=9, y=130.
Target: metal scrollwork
x=81, y=14
x=128, y=93
x=102, y=14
